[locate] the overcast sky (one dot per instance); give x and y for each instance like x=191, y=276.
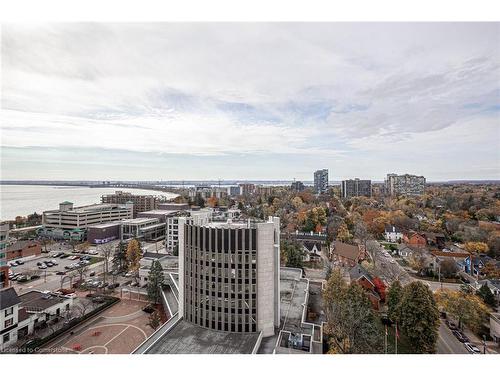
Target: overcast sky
x=250, y=101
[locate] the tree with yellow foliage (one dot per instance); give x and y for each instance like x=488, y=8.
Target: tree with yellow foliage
x=134, y=255
x=468, y=309
x=476, y=247
x=343, y=234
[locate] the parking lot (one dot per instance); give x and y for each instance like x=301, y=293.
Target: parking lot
x=37, y=267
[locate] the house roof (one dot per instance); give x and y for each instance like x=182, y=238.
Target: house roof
x=310, y=245
x=8, y=298
x=392, y=229
x=346, y=250
x=358, y=272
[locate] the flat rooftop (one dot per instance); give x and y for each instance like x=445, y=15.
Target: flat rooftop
x=140, y=220
x=105, y=225
x=187, y=338
x=35, y=299
x=293, y=289
x=158, y=212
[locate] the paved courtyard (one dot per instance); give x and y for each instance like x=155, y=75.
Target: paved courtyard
x=117, y=330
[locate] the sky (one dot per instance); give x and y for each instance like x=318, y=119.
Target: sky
x=270, y=101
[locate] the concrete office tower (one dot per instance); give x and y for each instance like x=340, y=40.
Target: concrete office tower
x=405, y=184
x=356, y=188
x=229, y=275
x=321, y=181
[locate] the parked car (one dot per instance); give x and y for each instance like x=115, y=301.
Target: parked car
x=64, y=256
x=39, y=263
x=471, y=348
x=12, y=264
x=460, y=336
x=92, y=274
x=93, y=252
x=60, y=273
x=54, y=262
x=42, y=267
x=128, y=274
x=20, y=262
x=134, y=283
x=451, y=325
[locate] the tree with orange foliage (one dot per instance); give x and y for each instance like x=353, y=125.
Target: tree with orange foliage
x=212, y=202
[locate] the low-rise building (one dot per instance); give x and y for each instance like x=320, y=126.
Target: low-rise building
x=70, y=222
x=414, y=239
x=358, y=274
x=347, y=255
x=103, y=233
x=142, y=228
x=393, y=233
x=495, y=327
x=170, y=264
x=4, y=268
x=23, y=249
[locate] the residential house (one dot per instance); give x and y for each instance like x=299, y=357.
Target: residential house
x=493, y=284
x=393, y=233
x=14, y=320
x=345, y=254
x=312, y=251
x=414, y=239
x=435, y=239
x=360, y=275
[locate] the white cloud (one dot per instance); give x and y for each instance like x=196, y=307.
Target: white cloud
x=330, y=90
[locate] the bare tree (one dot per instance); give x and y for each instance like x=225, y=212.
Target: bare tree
x=107, y=251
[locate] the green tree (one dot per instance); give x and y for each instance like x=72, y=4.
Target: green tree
x=418, y=317
x=485, y=294
x=155, y=281
x=352, y=326
x=292, y=254
x=393, y=300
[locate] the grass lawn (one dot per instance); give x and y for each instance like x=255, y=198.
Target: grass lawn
x=435, y=278
x=95, y=260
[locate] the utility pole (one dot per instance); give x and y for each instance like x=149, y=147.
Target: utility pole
x=385, y=340
x=396, y=337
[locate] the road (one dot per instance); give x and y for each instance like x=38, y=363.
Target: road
x=391, y=270
x=447, y=343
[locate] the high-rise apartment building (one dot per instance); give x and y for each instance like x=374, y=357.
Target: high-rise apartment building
x=405, y=184
x=229, y=275
x=321, y=181
x=297, y=186
x=356, y=188
x=141, y=202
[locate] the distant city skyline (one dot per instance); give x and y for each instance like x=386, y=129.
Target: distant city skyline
x=254, y=101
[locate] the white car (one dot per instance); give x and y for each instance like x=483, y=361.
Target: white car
x=471, y=348
x=93, y=252
x=392, y=261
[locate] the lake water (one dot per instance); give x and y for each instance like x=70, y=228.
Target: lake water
x=22, y=200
